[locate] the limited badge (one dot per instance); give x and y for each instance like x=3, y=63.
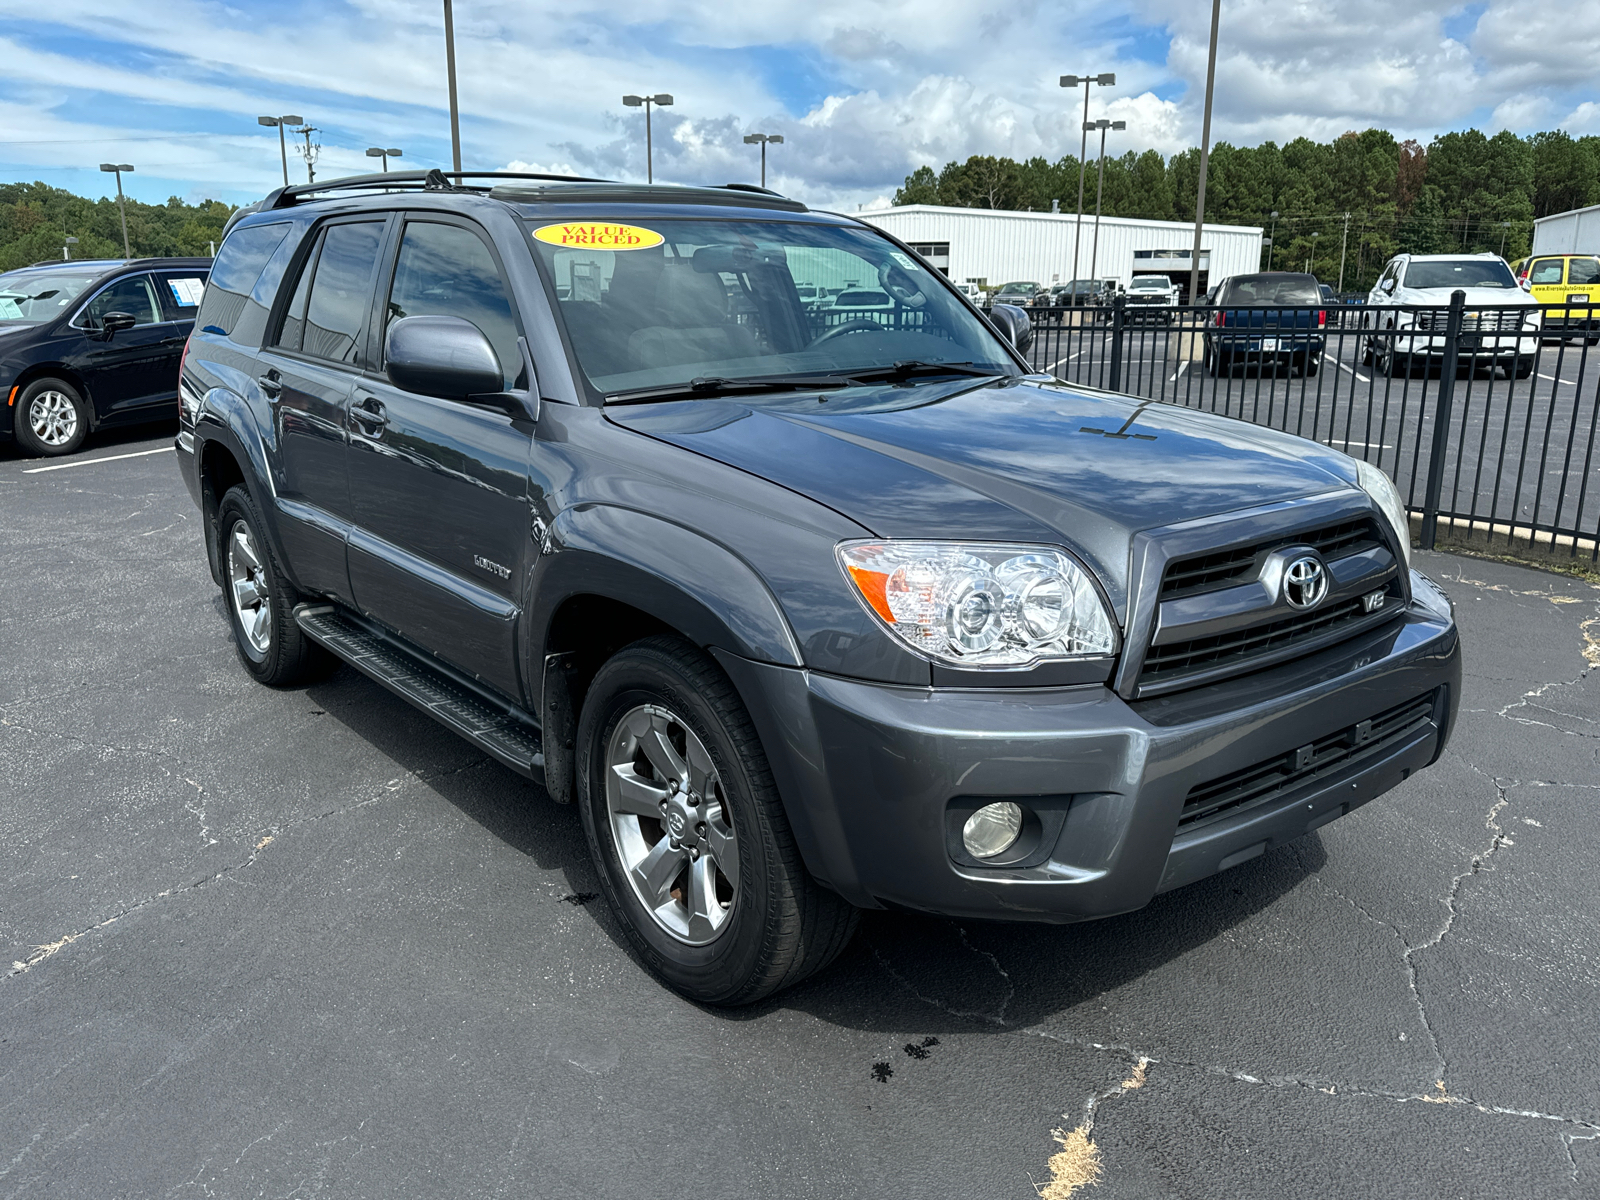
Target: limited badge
x=598, y=235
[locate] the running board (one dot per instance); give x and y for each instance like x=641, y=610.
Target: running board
x=486, y=723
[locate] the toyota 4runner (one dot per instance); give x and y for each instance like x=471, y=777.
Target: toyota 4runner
x=808, y=610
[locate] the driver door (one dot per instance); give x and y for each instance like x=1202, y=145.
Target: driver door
x=134, y=367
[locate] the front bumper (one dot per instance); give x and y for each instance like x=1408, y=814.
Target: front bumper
x=1496, y=345
x=876, y=778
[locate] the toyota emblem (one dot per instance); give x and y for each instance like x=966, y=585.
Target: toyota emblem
x=1305, y=582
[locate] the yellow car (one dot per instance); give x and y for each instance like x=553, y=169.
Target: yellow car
x=1565, y=279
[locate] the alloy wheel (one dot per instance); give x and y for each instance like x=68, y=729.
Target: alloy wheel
x=670, y=824
x=53, y=418
x=252, y=606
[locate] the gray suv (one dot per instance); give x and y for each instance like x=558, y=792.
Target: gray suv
x=807, y=611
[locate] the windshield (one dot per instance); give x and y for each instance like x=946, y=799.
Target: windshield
x=1251, y=292
x=685, y=300
x=1460, y=273
x=37, y=296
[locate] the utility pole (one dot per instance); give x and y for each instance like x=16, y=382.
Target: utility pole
x=450, y=67
x=1100, y=189
x=1344, y=241
x=1107, y=79
x=1205, y=154
x=117, y=169
x=310, y=152
x=1272, y=238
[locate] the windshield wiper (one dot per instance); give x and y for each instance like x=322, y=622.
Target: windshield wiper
x=706, y=386
x=915, y=366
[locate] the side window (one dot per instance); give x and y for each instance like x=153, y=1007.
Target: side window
x=341, y=292
x=445, y=270
x=1583, y=271
x=239, y=263
x=1546, y=270
x=181, y=293
x=294, y=317
x=131, y=295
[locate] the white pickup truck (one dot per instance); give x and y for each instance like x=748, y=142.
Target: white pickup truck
x=1152, y=296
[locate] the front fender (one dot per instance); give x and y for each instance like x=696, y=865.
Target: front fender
x=684, y=579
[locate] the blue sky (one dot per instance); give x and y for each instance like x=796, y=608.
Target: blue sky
x=864, y=91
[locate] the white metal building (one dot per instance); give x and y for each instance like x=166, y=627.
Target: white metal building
x=998, y=246
x=1575, y=232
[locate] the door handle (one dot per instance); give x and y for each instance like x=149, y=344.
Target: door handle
x=370, y=412
x=271, y=383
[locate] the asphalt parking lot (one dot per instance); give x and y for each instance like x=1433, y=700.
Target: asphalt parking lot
x=307, y=942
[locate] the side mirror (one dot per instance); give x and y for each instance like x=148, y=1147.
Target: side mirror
x=116, y=322
x=1527, y=285
x=1009, y=321
x=445, y=357
x=1386, y=286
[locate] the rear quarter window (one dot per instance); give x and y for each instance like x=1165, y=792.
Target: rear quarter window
x=239, y=265
x=1584, y=271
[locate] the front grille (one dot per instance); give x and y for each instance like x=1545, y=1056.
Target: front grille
x=1224, y=568
x=1240, y=646
x=1262, y=781
x=1474, y=322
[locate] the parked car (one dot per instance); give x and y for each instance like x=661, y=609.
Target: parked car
x=1501, y=325
x=803, y=623
x=1331, y=300
x=1084, y=292
x=1557, y=280
x=92, y=344
x=1151, y=297
x=1020, y=293
x=1271, y=320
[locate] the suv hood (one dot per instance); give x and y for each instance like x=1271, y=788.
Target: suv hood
x=1476, y=297
x=1020, y=461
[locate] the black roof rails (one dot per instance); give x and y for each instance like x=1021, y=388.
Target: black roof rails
x=571, y=191
x=428, y=181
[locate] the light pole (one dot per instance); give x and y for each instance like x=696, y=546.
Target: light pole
x=1205, y=154
x=663, y=99
x=1311, y=259
x=386, y=155
x=117, y=169
x=1344, y=241
x=1272, y=238
x=1108, y=79
x=283, y=147
x=1099, y=188
x=763, y=138
x=450, y=69
x=1505, y=228
x=66, y=248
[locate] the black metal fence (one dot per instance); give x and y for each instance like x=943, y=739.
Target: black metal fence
x=1485, y=417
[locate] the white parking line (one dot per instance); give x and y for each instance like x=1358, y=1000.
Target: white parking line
x=89, y=462
x=1182, y=367
x=1363, y=445
x=1059, y=361
x=1553, y=379
x=1354, y=372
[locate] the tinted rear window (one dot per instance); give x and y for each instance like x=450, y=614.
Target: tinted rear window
x=238, y=266
x=1252, y=293
x=1584, y=270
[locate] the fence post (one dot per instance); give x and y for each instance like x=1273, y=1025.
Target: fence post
x=1118, y=308
x=1441, y=417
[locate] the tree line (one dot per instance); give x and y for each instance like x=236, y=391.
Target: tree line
x=1463, y=192
x=36, y=220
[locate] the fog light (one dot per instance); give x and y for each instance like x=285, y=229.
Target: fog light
x=992, y=830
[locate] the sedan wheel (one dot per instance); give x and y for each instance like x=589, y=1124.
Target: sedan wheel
x=53, y=418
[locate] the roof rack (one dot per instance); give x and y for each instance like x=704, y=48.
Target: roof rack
x=427, y=181
x=732, y=195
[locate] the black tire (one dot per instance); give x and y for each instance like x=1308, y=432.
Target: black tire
x=1524, y=368
x=285, y=657
x=781, y=925
x=52, y=418
x=1311, y=364
x=1367, y=357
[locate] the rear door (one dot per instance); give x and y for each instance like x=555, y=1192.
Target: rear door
x=134, y=367
x=440, y=547
x=309, y=369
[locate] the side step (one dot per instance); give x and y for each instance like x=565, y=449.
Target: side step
x=485, y=722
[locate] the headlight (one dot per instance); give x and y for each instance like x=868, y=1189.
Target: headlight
x=1376, y=484
x=980, y=604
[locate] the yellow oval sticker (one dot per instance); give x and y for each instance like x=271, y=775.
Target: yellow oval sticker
x=598, y=235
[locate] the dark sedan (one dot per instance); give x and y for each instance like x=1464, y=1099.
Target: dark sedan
x=86, y=345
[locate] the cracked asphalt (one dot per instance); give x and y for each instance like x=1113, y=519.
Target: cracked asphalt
x=294, y=943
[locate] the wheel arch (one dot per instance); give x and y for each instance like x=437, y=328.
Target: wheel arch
x=228, y=452
x=611, y=576
x=54, y=370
